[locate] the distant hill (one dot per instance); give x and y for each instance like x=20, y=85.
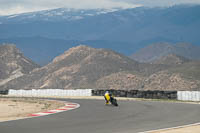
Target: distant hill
x=189, y=70
x=13, y=63
x=171, y=59
x=86, y=67
x=155, y=51
x=124, y=31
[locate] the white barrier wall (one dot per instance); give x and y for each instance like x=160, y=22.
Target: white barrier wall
x=181, y=95
x=50, y=92
x=188, y=95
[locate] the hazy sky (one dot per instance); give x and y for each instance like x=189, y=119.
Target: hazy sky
x=19, y=6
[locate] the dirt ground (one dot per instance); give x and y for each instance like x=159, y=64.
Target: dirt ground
x=18, y=108
x=190, y=129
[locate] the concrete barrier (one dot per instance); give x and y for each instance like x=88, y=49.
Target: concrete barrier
x=50, y=92
x=188, y=95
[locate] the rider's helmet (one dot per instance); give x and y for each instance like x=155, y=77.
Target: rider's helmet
x=107, y=91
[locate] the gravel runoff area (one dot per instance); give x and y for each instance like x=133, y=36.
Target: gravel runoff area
x=19, y=108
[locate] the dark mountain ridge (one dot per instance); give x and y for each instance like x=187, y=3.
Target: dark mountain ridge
x=129, y=29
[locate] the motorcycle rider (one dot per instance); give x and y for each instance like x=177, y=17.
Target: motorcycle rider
x=108, y=97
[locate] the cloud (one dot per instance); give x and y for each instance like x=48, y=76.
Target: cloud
x=20, y=6
x=18, y=9
x=154, y=3
x=86, y=4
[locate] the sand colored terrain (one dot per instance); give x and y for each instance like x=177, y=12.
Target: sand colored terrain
x=18, y=108
x=189, y=129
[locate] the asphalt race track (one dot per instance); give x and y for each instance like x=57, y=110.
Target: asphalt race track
x=94, y=117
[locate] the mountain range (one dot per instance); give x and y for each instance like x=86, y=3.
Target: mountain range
x=87, y=67
x=124, y=31
x=155, y=51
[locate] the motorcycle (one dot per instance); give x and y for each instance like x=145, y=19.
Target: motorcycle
x=114, y=101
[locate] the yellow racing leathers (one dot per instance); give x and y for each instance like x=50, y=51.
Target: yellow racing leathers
x=107, y=97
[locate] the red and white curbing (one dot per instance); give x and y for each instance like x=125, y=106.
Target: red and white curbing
x=67, y=107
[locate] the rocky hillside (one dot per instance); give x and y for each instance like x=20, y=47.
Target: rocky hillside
x=158, y=50
x=13, y=63
x=184, y=76
x=79, y=67
x=86, y=67
x=162, y=80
